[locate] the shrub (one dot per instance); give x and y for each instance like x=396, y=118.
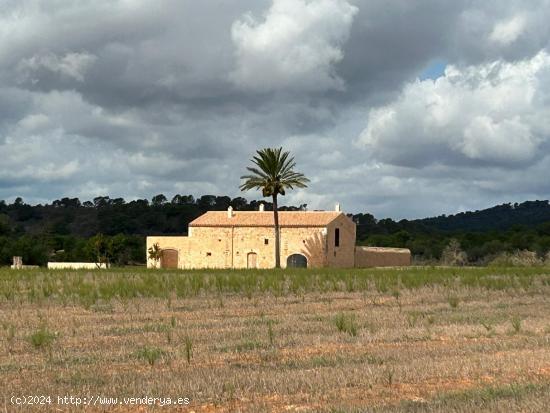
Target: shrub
x=42, y=337
x=516, y=324
x=453, y=254
x=346, y=324
x=151, y=354
x=523, y=258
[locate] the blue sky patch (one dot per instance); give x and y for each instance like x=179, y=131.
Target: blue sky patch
x=434, y=70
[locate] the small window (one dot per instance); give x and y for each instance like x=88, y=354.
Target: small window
x=266, y=241
x=337, y=237
x=208, y=254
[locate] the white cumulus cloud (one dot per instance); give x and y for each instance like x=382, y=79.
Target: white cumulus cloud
x=493, y=113
x=294, y=47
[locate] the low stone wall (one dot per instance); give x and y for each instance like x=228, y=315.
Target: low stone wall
x=382, y=257
x=75, y=265
x=24, y=267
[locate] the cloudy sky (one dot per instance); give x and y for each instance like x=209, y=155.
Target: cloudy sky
x=403, y=108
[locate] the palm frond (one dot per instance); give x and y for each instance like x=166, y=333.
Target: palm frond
x=273, y=173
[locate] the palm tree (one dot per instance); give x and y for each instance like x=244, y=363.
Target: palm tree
x=273, y=173
x=155, y=254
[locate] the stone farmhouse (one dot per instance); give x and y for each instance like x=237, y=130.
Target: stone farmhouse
x=245, y=239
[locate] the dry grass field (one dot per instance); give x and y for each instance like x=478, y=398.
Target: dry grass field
x=414, y=340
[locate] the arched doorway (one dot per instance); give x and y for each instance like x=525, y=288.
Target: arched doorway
x=252, y=260
x=169, y=259
x=296, y=261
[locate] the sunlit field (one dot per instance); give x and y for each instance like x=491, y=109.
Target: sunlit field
x=416, y=339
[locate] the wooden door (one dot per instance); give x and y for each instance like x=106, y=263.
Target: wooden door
x=252, y=260
x=169, y=259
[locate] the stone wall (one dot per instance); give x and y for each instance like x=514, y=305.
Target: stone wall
x=342, y=256
x=307, y=241
x=75, y=265
x=381, y=257
x=215, y=247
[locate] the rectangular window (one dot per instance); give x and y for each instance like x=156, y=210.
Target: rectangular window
x=208, y=254
x=266, y=241
x=337, y=237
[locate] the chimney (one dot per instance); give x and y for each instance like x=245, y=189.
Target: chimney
x=262, y=207
x=337, y=207
x=230, y=212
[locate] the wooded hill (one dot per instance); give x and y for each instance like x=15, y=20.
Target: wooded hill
x=67, y=229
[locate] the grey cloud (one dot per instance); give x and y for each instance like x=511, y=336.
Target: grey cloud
x=164, y=97
x=493, y=30
x=392, y=40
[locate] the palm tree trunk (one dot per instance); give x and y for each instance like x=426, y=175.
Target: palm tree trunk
x=277, y=235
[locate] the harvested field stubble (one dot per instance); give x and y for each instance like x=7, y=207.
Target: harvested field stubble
x=256, y=341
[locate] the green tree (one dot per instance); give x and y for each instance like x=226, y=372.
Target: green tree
x=158, y=200
x=5, y=227
x=102, y=249
x=273, y=173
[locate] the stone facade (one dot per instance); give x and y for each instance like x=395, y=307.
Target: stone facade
x=246, y=240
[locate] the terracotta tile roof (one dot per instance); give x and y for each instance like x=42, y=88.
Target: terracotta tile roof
x=265, y=219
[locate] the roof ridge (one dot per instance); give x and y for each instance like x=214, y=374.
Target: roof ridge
x=265, y=218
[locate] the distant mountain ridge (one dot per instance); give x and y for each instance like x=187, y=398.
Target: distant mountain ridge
x=500, y=217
